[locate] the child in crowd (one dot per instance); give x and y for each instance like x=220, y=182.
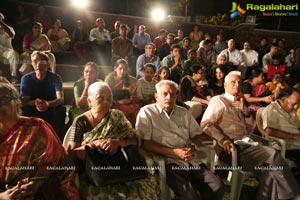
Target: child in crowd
x=163, y=73
x=146, y=84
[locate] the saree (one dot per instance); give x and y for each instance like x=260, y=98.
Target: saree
x=122, y=88
x=31, y=149
x=115, y=125
x=261, y=90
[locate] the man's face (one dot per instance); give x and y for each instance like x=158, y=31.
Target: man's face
x=247, y=46
x=291, y=103
x=231, y=44
x=170, y=39
x=142, y=29
x=122, y=31
x=100, y=23
x=149, y=50
x=233, y=86
x=39, y=64
x=274, y=50
x=166, y=97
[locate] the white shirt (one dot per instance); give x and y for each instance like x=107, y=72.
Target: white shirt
x=174, y=131
x=234, y=56
x=95, y=34
x=249, y=57
x=5, y=39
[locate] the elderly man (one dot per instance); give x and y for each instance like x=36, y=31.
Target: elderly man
x=224, y=120
x=140, y=40
x=101, y=39
x=7, y=33
x=234, y=57
x=148, y=57
x=280, y=120
x=42, y=93
x=170, y=130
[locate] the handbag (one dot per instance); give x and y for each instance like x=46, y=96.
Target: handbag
x=102, y=169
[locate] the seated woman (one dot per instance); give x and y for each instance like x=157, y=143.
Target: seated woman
x=107, y=129
x=216, y=84
x=81, y=86
x=31, y=155
x=59, y=37
x=192, y=59
x=80, y=40
x=194, y=90
x=124, y=89
x=146, y=85
x=255, y=91
x=276, y=84
x=222, y=60
x=36, y=41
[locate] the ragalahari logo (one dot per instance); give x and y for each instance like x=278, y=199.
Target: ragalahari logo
x=236, y=10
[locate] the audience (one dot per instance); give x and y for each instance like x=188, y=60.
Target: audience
x=31, y=155
x=194, y=90
x=255, y=91
x=250, y=58
x=81, y=86
x=42, y=93
x=163, y=74
x=196, y=36
x=161, y=38
x=174, y=62
x=7, y=51
x=59, y=37
x=279, y=120
x=115, y=33
x=36, y=41
x=180, y=36
x=171, y=131
x=262, y=49
x=191, y=60
x=185, y=47
x=124, y=88
x=164, y=49
x=276, y=65
x=216, y=83
x=140, y=40
x=276, y=84
x=146, y=85
x=207, y=54
x=224, y=120
x=101, y=40
x=122, y=47
x=42, y=17
x=106, y=129
x=80, y=40
x=220, y=44
x=148, y=57
x=267, y=58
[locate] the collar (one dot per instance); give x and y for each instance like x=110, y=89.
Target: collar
x=162, y=111
x=229, y=97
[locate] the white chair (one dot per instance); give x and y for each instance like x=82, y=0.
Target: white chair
x=66, y=139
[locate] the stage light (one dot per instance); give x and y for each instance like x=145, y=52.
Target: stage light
x=158, y=14
x=80, y=3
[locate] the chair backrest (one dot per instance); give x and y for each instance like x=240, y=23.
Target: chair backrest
x=66, y=138
x=259, y=122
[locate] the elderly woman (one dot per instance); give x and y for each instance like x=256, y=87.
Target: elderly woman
x=30, y=155
x=81, y=86
x=36, y=41
x=107, y=129
x=276, y=84
x=124, y=88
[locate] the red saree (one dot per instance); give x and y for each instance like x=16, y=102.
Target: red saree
x=31, y=149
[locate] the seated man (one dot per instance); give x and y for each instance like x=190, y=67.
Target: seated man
x=280, y=120
x=42, y=94
x=224, y=120
x=170, y=130
x=6, y=48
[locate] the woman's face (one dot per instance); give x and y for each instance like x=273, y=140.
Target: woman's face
x=277, y=79
x=164, y=75
x=37, y=30
x=89, y=73
x=219, y=74
x=149, y=73
x=121, y=70
x=261, y=78
x=222, y=60
x=101, y=102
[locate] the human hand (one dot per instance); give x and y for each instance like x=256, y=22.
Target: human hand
x=228, y=145
x=108, y=145
x=186, y=153
x=16, y=192
x=41, y=105
x=239, y=104
x=268, y=99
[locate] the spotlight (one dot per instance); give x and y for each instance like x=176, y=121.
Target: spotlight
x=80, y=3
x=158, y=14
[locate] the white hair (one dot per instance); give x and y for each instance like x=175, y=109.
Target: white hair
x=236, y=73
x=166, y=82
x=96, y=88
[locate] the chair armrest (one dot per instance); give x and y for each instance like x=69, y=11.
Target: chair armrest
x=281, y=143
x=259, y=139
